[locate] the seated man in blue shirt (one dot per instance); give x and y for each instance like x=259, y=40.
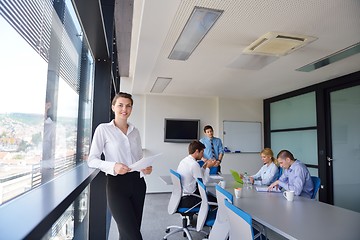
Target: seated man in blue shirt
x=295, y=177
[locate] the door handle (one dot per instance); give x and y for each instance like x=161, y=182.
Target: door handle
x=329, y=159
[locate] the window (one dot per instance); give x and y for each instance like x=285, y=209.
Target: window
x=46, y=82
x=73, y=221
x=293, y=126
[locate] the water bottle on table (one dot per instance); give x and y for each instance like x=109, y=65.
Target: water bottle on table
x=246, y=180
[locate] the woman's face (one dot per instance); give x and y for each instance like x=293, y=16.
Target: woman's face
x=122, y=108
x=266, y=158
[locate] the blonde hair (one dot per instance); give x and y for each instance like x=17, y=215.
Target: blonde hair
x=269, y=152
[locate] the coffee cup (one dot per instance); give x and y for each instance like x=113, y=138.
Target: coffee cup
x=289, y=195
x=238, y=192
x=222, y=184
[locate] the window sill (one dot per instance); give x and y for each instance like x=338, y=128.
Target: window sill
x=33, y=213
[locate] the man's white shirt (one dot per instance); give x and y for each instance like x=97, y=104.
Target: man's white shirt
x=190, y=170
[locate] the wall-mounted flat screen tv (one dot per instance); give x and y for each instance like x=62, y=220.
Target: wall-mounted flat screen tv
x=181, y=130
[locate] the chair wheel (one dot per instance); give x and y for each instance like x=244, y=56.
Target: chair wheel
x=167, y=231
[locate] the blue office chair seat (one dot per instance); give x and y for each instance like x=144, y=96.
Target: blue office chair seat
x=187, y=210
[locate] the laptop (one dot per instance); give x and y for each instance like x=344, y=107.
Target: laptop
x=236, y=176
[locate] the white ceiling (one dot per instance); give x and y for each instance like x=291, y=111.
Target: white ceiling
x=213, y=69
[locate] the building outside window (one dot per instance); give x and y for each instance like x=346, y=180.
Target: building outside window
x=46, y=89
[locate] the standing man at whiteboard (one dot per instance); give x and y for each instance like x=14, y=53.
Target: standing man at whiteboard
x=214, y=149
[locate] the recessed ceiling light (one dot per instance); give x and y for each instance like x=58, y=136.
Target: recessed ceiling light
x=337, y=56
x=198, y=25
x=160, y=84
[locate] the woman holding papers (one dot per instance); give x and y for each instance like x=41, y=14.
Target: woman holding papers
x=269, y=172
x=120, y=143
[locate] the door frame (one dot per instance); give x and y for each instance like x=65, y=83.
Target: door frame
x=322, y=92
x=329, y=150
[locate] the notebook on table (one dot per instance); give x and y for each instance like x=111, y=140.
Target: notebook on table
x=265, y=189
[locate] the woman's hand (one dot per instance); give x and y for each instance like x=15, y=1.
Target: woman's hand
x=121, y=169
x=147, y=170
x=251, y=180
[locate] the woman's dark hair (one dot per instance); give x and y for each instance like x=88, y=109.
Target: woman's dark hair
x=123, y=95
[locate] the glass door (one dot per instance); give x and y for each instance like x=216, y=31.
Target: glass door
x=344, y=161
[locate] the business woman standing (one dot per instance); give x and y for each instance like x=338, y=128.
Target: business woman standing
x=120, y=142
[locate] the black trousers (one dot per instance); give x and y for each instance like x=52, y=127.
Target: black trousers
x=125, y=196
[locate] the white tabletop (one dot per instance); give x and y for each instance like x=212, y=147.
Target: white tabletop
x=166, y=179
x=301, y=219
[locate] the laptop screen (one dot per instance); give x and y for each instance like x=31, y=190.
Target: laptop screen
x=236, y=176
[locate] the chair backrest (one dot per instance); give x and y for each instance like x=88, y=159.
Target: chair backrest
x=317, y=184
x=204, y=207
x=280, y=172
x=221, y=227
x=176, y=192
x=240, y=223
x=201, y=163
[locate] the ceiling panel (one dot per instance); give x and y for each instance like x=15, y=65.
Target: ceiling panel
x=214, y=69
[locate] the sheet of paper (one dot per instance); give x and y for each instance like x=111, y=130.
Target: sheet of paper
x=143, y=163
x=216, y=177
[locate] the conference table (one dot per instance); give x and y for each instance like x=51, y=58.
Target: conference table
x=301, y=219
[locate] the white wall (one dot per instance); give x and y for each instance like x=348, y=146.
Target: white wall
x=244, y=110
x=149, y=113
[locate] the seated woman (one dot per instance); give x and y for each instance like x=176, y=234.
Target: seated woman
x=269, y=172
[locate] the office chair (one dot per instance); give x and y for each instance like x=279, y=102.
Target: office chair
x=207, y=212
x=317, y=184
x=220, y=229
x=240, y=223
x=280, y=172
x=201, y=163
x=173, y=207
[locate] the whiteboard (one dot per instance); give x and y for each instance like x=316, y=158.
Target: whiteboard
x=242, y=136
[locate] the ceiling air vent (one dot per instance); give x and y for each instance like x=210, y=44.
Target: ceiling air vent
x=278, y=44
